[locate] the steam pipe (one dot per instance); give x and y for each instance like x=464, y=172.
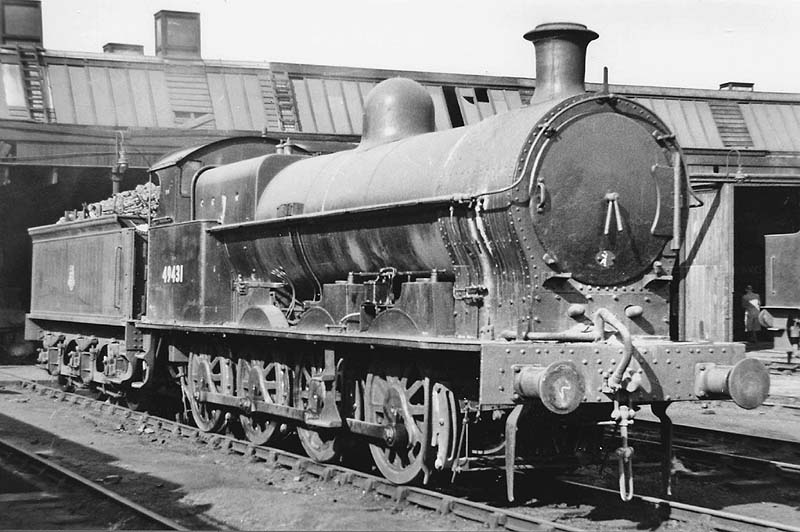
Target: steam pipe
x=601, y=317
x=562, y=336
x=677, y=189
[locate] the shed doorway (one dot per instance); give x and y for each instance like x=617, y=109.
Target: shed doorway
x=758, y=211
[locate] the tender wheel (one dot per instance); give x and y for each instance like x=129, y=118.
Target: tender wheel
x=269, y=384
x=321, y=445
x=201, y=378
x=402, y=404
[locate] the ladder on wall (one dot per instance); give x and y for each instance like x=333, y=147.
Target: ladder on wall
x=285, y=101
x=34, y=83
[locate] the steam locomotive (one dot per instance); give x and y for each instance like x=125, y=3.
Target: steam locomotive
x=487, y=294
x=780, y=314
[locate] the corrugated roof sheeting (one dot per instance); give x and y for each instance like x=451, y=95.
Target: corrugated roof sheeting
x=690, y=120
x=330, y=105
x=774, y=127
x=237, y=101
x=439, y=107
x=478, y=103
x=336, y=106
x=109, y=96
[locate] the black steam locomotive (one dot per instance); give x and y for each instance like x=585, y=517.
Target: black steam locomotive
x=427, y=293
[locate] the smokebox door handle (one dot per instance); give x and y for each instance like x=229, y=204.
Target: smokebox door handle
x=541, y=193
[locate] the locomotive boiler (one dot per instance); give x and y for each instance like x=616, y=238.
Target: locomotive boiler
x=490, y=293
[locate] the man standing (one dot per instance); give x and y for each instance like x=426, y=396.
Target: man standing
x=751, y=303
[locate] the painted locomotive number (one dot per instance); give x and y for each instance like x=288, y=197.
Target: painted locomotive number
x=173, y=273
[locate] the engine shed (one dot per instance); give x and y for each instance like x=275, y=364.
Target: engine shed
x=71, y=123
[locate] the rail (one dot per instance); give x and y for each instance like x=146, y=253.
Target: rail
x=717, y=519
x=169, y=524
x=485, y=514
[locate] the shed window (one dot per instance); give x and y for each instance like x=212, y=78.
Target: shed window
x=12, y=81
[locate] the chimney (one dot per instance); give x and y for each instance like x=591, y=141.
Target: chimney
x=21, y=22
x=736, y=86
x=122, y=48
x=177, y=34
x=560, y=59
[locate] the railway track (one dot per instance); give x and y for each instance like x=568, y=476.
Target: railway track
x=710, y=518
x=474, y=509
x=743, y=451
x=24, y=472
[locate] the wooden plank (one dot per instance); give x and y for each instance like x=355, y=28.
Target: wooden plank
x=142, y=100
x=338, y=107
x=189, y=91
x=469, y=109
x=160, y=98
x=305, y=112
x=319, y=105
x=514, y=99
x=441, y=115
x=219, y=101
x=498, y=97
x=237, y=101
x=791, y=126
x=484, y=102
x=709, y=126
x=123, y=102
x=355, y=104
x=62, y=98
x=82, y=94
x=707, y=268
x=104, y=107
x=255, y=102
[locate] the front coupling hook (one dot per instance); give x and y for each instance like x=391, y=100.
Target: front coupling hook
x=625, y=455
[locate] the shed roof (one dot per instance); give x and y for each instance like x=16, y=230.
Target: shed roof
x=140, y=91
x=772, y=126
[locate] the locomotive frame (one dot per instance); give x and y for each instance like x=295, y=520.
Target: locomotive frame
x=450, y=298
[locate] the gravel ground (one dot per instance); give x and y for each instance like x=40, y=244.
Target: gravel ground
x=200, y=487
x=205, y=488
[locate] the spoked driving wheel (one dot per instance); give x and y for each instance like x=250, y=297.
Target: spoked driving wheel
x=261, y=383
x=321, y=445
x=201, y=378
x=399, y=400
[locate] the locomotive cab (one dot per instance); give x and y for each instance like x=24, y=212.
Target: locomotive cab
x=177, y=173
x=188, y=270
